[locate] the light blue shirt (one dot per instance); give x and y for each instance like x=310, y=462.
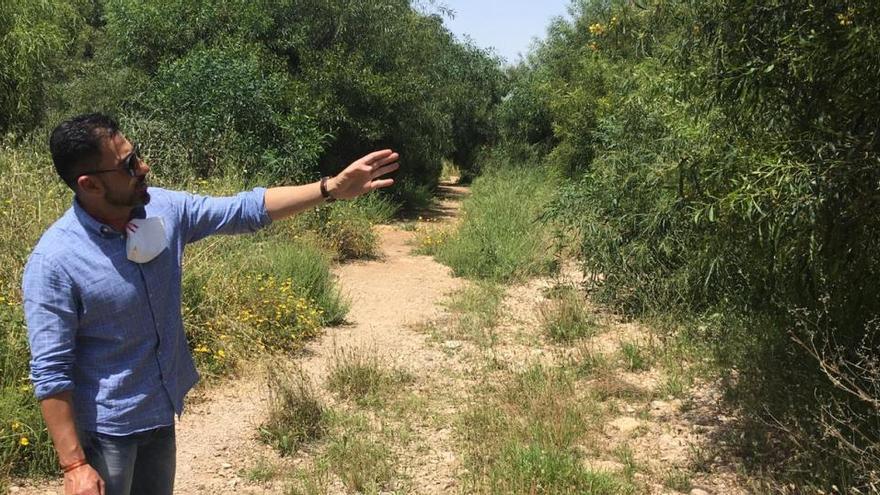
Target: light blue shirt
x=110, y=329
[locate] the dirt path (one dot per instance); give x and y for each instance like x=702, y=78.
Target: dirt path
x=395, y=315
x=216, y=439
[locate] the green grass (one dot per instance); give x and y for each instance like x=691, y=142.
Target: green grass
x=359, y=375
x=634, y=357
x=364, y=464
x=261, y=472
x=309, y=267
x=565, y=317
x=588, y=363
x=500, y=237
x=313, y=480
x=678, y=480
x=531, y=469
x=524, y=437
x=477, y=311
x=354, y=453
x=296, y=415
x=626, y=457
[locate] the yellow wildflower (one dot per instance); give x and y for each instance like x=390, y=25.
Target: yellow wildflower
x=597, y=29
x=15, y=425
x=24, y=442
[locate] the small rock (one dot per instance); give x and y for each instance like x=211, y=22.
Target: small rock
x=699, y=491
x=625, y=424
x=14, y=489
x=226, y=465
x=452, y=344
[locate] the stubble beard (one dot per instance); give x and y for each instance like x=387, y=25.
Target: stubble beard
x=131, y=199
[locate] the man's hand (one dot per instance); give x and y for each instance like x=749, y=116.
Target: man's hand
x=360, y=177
x=83, y=480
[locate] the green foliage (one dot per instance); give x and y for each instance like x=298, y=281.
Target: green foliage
x=35, y=37
x=225, y=103
x=273, y=90
x=494, y=246
x=724, y=161
x=346, y=227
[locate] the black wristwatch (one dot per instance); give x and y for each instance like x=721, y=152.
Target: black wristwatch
x=324, y=192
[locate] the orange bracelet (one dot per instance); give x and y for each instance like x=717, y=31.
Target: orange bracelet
x=73, y=465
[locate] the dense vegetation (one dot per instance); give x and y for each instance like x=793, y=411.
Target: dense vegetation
x=274, y=88
x=723, y=167
x=716, y=162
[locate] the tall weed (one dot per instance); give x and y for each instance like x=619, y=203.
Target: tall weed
x=501, y=236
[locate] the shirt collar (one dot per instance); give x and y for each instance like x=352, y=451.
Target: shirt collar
x=93, y=225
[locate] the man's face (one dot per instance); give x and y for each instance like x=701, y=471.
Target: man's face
x=120, y=188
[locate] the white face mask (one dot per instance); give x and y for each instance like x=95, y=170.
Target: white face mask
x=146, y=239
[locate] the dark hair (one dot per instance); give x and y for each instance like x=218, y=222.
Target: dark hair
x=77, y=141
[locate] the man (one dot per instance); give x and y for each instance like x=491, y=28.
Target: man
x=110, y=362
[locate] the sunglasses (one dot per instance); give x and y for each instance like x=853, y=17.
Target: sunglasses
x=129, y=164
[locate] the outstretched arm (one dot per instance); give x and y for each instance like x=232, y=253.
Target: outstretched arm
x=357, y=179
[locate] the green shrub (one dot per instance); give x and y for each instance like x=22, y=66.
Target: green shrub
x=364, y=464
x=346, y=227
x=726, y=166
x=296, y=415
x=360, y=376
x=233, y=100
x=37, y=39
x=565, y=318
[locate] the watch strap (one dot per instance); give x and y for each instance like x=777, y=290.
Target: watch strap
x=324, y=192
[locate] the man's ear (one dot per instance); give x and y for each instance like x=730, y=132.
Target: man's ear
x=87, y=184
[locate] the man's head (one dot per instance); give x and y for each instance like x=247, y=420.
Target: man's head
x=95, y=160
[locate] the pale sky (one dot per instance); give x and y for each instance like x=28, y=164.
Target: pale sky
x=508, y=26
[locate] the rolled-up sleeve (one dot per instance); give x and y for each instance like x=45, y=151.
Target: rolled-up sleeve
x=52, y=321
x=205, y=215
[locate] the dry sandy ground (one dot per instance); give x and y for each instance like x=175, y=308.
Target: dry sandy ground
x=218, y=440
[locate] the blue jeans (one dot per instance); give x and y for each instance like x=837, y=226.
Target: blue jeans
x=142, y=463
